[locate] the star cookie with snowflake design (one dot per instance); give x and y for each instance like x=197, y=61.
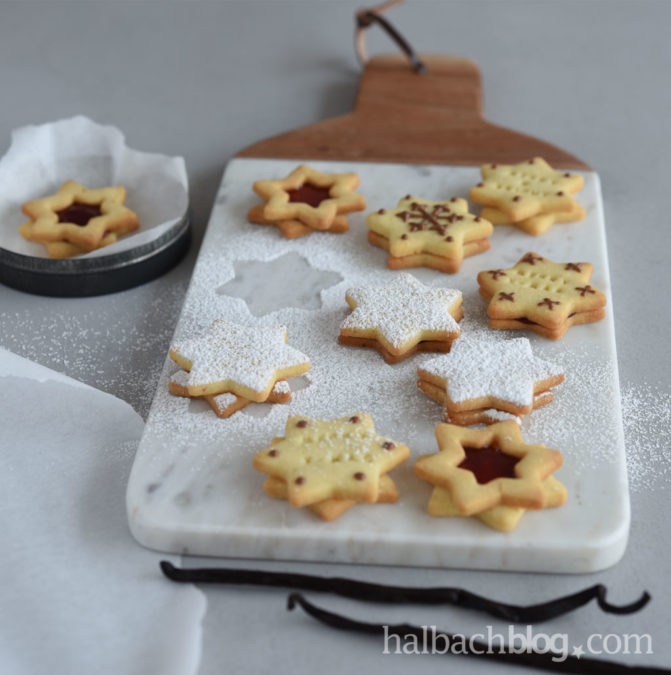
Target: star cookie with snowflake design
x=423, y=233
x=244, y=360
x=540, y=295
x=402, y=317
x=321, y=459
x=479, y=375
x=527, y=189
x=307, y=198
x=486, y=468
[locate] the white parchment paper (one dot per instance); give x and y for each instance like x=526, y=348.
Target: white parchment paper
x=78, y=594
x=41, y=158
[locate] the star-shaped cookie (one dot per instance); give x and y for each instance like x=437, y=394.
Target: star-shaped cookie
x=542, y=296
x=402, y=317
x=503, y=518
x=243, y=360
x=423, y=233
x=538, y=224
x=330, y=459
x=226, y=403
x=81, y=217
x=482, y=374
x=526, y=189
x=311, y=197
x=485, y=468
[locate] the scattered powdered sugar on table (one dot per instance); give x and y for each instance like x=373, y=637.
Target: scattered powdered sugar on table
x=647, y=429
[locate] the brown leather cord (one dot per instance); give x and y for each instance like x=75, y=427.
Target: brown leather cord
x=367, y=16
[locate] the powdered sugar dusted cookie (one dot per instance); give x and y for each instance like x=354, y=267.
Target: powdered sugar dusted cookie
x=526, y=189
x=330, y=459
x=78, y=216
x=481, y=374
x=402, y=317
x=243, y=360
x=226, y=403
x=311, y=197
x=423, y=233
x=485, y=468
x=542, y=296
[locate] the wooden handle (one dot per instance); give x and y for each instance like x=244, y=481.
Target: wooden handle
x=401, y=116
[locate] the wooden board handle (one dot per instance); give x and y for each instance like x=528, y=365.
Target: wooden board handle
x=401, y=116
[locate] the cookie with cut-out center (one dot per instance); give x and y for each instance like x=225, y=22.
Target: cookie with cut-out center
x=540, y=295
x=330, y=459
x=244, y=360
x=78, y=216
x=292, y=229
x=503, y=518
x=482, y=374
x=314, y=198
x=402, y=317
x=330, y=509
x=526, y=189
x=423, y=233
x=225, y=403
x=538, y=224
x=484, y=468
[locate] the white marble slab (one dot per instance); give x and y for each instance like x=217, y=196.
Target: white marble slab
x=193, y=489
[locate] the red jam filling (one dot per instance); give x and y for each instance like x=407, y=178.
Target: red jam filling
x=78, y=214
x=309, y=194
x=488, y=463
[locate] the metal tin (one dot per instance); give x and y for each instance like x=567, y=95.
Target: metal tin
x=81, y=277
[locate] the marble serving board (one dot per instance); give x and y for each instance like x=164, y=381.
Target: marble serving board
x=193, y=490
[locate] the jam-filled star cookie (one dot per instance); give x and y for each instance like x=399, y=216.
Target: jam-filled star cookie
x=307, y=198
x=226, y=403
x=85, y=219
x=402, y=317
x=485, y=468
x=423, y=233
x=503, y=518
x=480, y=375
x=526, y=189
x=243, y=360
x=542, y=296
x=330, y=459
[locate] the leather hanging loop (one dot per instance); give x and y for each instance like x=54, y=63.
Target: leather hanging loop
x=366, y=17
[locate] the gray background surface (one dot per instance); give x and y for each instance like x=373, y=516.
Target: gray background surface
x=204, y=79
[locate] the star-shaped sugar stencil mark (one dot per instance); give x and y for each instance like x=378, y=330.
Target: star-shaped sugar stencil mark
x=403, y=310
x=299, y=284
x=502, y=369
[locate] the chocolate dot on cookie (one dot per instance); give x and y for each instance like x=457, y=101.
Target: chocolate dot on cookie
x=359, y=475
x=404, y=236
x=560, y=193
x=354, y=419
x=388, y=445
x=454, y=199
x=516, y=198
x=477, y=219
x=481, y=185
x=300, y=480
x=273, y=453
x=381, y=211
x=449, y=238
x=302, y=424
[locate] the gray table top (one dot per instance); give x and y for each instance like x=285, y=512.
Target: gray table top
x=204, y=79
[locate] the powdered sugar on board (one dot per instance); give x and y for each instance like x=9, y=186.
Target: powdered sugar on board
x=211, y=501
